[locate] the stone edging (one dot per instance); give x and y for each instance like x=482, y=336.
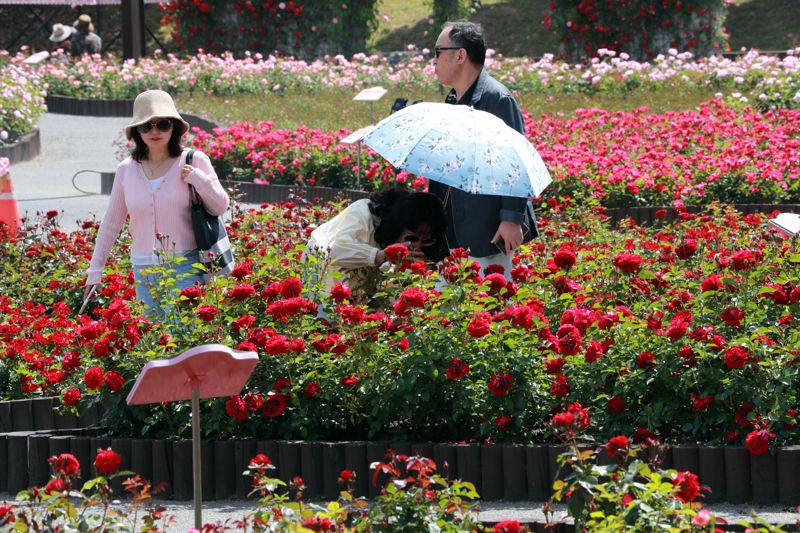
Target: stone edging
x=25, y=149
x=252, y=193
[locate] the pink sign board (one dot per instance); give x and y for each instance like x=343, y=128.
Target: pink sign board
x=213, y=369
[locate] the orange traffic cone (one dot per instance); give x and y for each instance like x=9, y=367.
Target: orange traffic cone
x=9, y=212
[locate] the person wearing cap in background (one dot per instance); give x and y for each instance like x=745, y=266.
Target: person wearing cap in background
x=151, y=186
x=61, y=38
x=85, y=40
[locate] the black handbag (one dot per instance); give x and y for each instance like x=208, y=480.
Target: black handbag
x=212, y=239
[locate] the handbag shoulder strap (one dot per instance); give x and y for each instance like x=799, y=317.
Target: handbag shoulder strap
x=192, y=192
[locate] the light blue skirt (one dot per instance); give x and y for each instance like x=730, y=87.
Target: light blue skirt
x=158, y=296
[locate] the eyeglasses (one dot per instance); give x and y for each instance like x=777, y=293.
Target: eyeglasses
x=163, y=125
x=439, y=49
x=414, y=239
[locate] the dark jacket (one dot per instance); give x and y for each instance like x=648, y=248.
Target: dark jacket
x=474, y=218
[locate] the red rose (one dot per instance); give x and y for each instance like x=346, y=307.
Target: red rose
x=72, y=396
x=554, y=366
x=350, y=381
x=243, y=322
x=207, y=312
x=277, y=345
x=114, y=381
x=500, y=384
x=190, y=294
x=563, y=419
x=569, y=339
x=615, y=444
x=628, y=263
x=688, y=357
x=495, y=283
x=236, y=408
x=340, y=293
x=93, y=378
x=274, y=405
x=502, y=421
x=616, y=404
x=107, y=461
x=66, y=463
x=594, y=350
x=396, y=252
x=55, y=485
x=319, y=523
x=291, y=287
x=564, y=258
x=646, y=360
x=457, y=368
x=735, y=357
x=701, y=403
x=688, y=486
x=242, y=270
x=311, y=390
x=687, y=249
x=347, y=475
x=757, y=442
x=508, y=526
x=732, y=316
x=259, y=463
x=480, y=326
x=241, y=292
x=560, y=386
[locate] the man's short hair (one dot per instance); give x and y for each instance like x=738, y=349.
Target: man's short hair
x=468, y=35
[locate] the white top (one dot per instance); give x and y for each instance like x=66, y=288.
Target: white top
x=154, y=183
x=348, y=238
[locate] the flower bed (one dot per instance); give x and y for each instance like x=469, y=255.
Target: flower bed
x=687, y=330
x=21, y=101
x=768, y=80
x=618, y=159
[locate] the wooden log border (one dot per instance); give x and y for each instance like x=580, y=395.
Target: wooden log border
x=504, y=472
x=25, y=149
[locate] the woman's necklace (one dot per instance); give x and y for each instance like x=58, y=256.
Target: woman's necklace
x=152, y=172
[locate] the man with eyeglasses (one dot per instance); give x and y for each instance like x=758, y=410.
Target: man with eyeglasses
x=490, y=227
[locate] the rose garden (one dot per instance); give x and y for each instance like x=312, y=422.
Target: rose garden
x=643, y=360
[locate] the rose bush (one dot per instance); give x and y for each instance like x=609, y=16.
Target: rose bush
x=21, y=100
x=693, y=346
x=642, y=29
x=719, y=152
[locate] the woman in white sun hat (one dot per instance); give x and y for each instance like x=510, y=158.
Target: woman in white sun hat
x=151, y=186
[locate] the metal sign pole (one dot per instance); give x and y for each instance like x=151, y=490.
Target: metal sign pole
x=196, y=459
x=371, y=95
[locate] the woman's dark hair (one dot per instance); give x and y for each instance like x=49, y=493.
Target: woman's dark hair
x=174, y=147
x=469, y=36
x=400, y=209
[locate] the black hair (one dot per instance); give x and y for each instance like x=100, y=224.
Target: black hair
x=174, y=147
x=400, y=209
x=469, y=36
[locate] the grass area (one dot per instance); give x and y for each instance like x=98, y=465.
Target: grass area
x=513, y=27
x=331, y=111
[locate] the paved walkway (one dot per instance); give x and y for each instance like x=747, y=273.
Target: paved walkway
x=71, y=144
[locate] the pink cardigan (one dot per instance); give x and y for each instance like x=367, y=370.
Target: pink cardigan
x=167, y=210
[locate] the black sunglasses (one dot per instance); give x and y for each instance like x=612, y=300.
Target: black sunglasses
x=163, y=125
x=438, y=50
x=413, y=239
